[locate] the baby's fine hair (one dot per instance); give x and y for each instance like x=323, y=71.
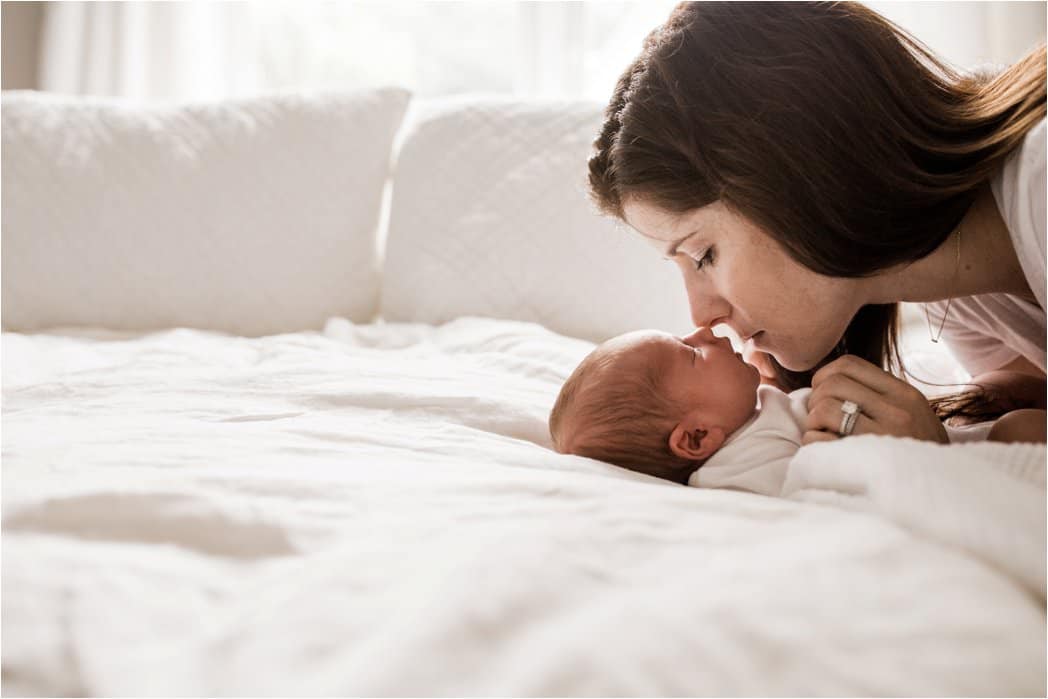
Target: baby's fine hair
x=620, y=414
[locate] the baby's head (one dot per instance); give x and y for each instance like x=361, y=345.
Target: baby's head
x=655, y=403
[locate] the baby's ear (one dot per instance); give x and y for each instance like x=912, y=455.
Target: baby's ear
x=691, y=439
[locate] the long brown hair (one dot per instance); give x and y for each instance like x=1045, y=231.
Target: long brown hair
x=829, y=126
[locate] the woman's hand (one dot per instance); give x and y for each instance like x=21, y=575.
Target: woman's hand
x=887, y=405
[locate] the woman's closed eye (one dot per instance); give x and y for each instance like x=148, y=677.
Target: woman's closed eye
x=703, y=260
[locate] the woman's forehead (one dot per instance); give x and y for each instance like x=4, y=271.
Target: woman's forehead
x=667, y=230
x=652, y=222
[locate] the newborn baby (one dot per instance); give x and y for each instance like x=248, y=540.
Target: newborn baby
x=686, y=409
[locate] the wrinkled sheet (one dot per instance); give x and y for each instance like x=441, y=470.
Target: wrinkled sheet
x=984, y=498
x=375, y=510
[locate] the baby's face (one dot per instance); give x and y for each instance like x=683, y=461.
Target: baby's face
x=701, y=370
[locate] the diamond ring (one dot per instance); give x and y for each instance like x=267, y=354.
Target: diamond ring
x=849, y=415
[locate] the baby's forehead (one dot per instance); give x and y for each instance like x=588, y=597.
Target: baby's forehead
x=640, y=341
x=638, y=349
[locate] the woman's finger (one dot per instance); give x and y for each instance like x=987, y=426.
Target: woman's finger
x=866, y=374
x=891, y=407
x=827, y=416
x=840, y=387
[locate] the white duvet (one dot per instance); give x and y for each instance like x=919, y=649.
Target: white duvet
x=374, y=510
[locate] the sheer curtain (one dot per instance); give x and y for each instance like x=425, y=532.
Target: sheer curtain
x=971, y=34
x=203, y=50
x=147, y=50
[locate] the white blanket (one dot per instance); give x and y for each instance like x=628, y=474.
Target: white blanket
x=983, y=498
x=374, y=510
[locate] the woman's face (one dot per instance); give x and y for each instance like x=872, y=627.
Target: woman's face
x=737, y=275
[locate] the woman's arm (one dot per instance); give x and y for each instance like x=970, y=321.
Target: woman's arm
x=1010, y=389
x=1020, y=426
x=1019, y=389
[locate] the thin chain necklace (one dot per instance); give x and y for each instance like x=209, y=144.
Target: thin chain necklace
x=946, y=313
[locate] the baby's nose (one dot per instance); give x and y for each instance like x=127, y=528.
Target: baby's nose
x=700, y=336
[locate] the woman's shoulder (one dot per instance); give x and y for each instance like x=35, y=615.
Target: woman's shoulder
x=1022, y=170
x=1019, y=191
x=1017, y=180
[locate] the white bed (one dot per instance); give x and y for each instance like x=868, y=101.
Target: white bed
x=375, y=510
x=372, y=508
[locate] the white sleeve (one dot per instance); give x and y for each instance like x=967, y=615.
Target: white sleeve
x=976, y=432
x=1019, y=190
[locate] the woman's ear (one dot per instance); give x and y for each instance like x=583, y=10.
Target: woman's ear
x=695, y=440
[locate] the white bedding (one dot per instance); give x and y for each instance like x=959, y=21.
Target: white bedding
x=374, y=510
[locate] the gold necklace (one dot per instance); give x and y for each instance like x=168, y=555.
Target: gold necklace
x=956, y=272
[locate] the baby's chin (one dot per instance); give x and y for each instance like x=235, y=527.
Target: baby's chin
x=758, y=378
x=756, y=371
x=750, y=365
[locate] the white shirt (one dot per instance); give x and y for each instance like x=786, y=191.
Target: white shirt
x=986, y=332
x=754, y=458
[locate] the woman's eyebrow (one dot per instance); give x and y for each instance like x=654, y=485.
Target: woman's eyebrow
x=671, y=251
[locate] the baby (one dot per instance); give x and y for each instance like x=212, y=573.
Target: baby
x=689, y=410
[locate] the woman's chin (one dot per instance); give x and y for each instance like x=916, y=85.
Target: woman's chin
x=787, y=358
x=795, y=363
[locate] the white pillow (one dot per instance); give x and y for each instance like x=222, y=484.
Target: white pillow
x=253, y=217
x=490, y=217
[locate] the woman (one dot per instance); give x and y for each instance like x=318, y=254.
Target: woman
x=808, y=166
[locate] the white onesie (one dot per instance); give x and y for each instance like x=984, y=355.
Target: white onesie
x=755, y=456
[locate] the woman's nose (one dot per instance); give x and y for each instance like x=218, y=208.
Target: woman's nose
x=707, y=312
x=706, y=309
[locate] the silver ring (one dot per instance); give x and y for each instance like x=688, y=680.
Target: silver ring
x=849, y=416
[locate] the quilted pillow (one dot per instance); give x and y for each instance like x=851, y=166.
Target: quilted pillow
x=253, y=217
x=490, y=217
